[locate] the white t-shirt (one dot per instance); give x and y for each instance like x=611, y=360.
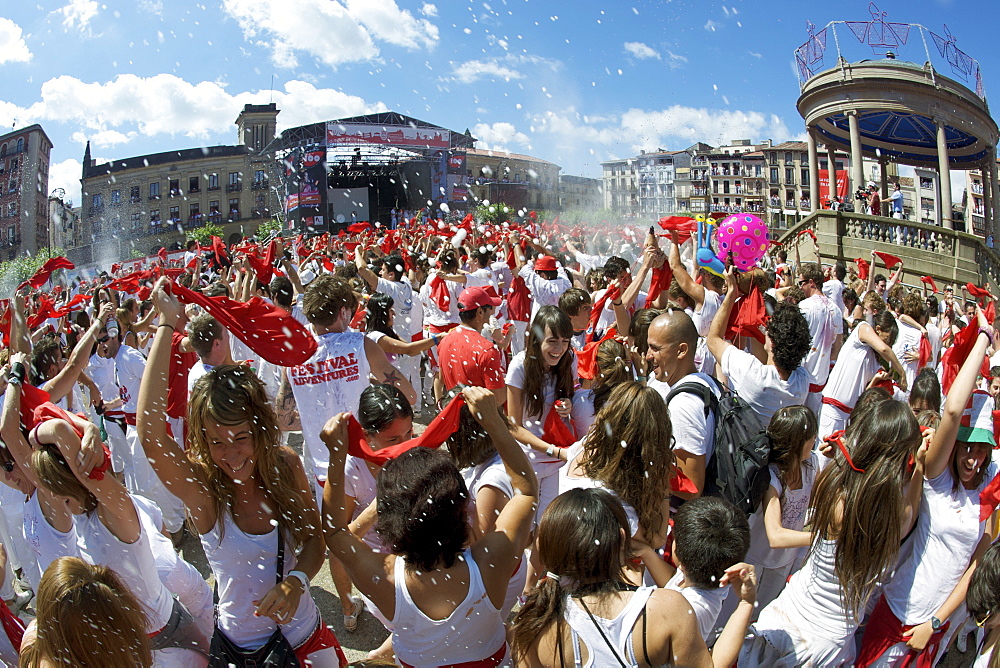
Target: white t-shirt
x=583, y=412
x=330, y=382
x=409, y=311
x=359, y=484
x=607, y=319
x=856, y=365
x=825, y=322
x=568, y=482
x=129, y=367
x=947, y=533
x=793, y=516
x=760, y=385
x=908, y=341
x=706, y=603
x=544, y=292
x=834, y=291
x=694, y=432
x=703, y=358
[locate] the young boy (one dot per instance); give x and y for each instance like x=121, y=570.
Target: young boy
x=709, y=535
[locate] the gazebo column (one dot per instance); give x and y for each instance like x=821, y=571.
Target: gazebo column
x=994, y=190
x=813, y=170
x=883, y=167
x=831, y=163
x=857, y=166
x=987, y=197
x=944, y=177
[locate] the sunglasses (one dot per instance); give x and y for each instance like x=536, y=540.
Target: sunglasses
x=803, y=282
x=8, y=467
x=103, y=339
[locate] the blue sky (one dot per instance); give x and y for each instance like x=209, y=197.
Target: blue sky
x=571, y=82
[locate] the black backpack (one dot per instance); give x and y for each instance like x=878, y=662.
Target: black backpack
x=738, y=469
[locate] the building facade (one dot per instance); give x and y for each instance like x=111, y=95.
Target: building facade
x=147, y=202
x=580, y=192
x=65, y=230
x=24, y=189
x=517, y=180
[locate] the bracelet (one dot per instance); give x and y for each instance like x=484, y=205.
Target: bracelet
x=616, y=303
x=16, y=376
x=988, y=333
x=551, y=451
x=435, y=339
x=301, y=577
x=166, y=325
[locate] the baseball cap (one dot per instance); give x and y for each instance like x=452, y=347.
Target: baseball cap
x=473, y=298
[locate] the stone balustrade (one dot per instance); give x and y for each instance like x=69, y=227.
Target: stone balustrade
x=948, y=256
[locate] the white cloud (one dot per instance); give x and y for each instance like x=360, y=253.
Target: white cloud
x=474, y=70
x=12, y=46
x=334, y=32
x=429, y=10
x=117, y=111
x=506, y=68
x=78, y=13
x=152, y=6
x=675, y=60
x=711, y=25
x=498, y=136
x=66, y=175
x=641, y=50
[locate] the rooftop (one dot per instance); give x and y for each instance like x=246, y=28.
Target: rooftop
x=507, y=155
x=167, y=157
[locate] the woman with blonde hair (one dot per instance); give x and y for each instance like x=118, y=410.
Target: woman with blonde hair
x=629, y=452
x=86, y=616
x=249, y=500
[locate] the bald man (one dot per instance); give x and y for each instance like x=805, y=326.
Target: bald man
x=673, y=340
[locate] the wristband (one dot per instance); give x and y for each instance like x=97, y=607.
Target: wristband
x=614, y=303
x=301, y=577
x=982, y=330
x=172, y=328
x=435, y=339
x=101, y=469
x=16, y=375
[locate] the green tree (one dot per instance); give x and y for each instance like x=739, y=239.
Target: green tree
x=21, y=269
x=203, y=235
x=265, y=229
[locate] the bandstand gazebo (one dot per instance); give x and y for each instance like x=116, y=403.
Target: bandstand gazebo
x=894, y=109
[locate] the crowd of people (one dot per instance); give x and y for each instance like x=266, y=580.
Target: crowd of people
x=579, y=495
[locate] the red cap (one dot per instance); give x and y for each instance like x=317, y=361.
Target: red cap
x=473, y=298
x=545, y=263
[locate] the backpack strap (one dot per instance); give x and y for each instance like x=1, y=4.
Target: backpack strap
x=708, y=397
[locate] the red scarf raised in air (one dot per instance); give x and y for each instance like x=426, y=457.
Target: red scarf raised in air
x=437, y=432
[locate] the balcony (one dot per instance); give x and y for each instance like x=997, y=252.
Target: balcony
x=234, y=215
x=153, y=197
x=175, y=192
x=260, y=185
x=234, y=187
x=211, y=188
x=194, y=190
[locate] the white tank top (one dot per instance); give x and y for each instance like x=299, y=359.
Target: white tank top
x=812, y=598
x=47, y=543
x=856, y=365
x=618, y=631
x=245, y=568
x=133, y=562
x=330, y=382
x=473, y=631
x=947, y=532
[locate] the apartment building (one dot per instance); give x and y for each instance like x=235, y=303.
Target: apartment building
x=24, y=190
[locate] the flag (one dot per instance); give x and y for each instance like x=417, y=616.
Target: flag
x=42, y=275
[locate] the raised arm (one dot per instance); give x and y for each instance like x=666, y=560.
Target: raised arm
x=19, y=341
x=500, y=550
x=364, y=272
x=60, y=385
x=895, y=278
x=943, y=443
x=184, y=480
x=690, y=287
x=868, y=336
x=367, y=568
x=716, y=341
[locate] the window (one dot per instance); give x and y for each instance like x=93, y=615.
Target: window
x=194, y=184
x=805, y=176
x=926, y=183
x=175, y=214
x=154, y=218
x=789, y=176
x=116, y=197
x=213, y=181
x=788, y=158
x=774, y=175
x=175, y=187
x=258, y=176
x=13, y=185
x=97, y=201
x=194, y=212
x=3, y=151
x=12, y=210
x=134, y=194
x=135, y=221
x=154, y=190
x=234, y=182
x=260, y=206
x=20, y=144
x=234, y=208
x=13, y=164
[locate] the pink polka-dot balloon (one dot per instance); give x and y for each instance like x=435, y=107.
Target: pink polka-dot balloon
x=745, y=235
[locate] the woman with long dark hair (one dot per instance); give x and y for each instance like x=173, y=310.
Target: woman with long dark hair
x=442, y=594
x=863, y=505
x=379, y=320
x=248, y=498
x=585, y=612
